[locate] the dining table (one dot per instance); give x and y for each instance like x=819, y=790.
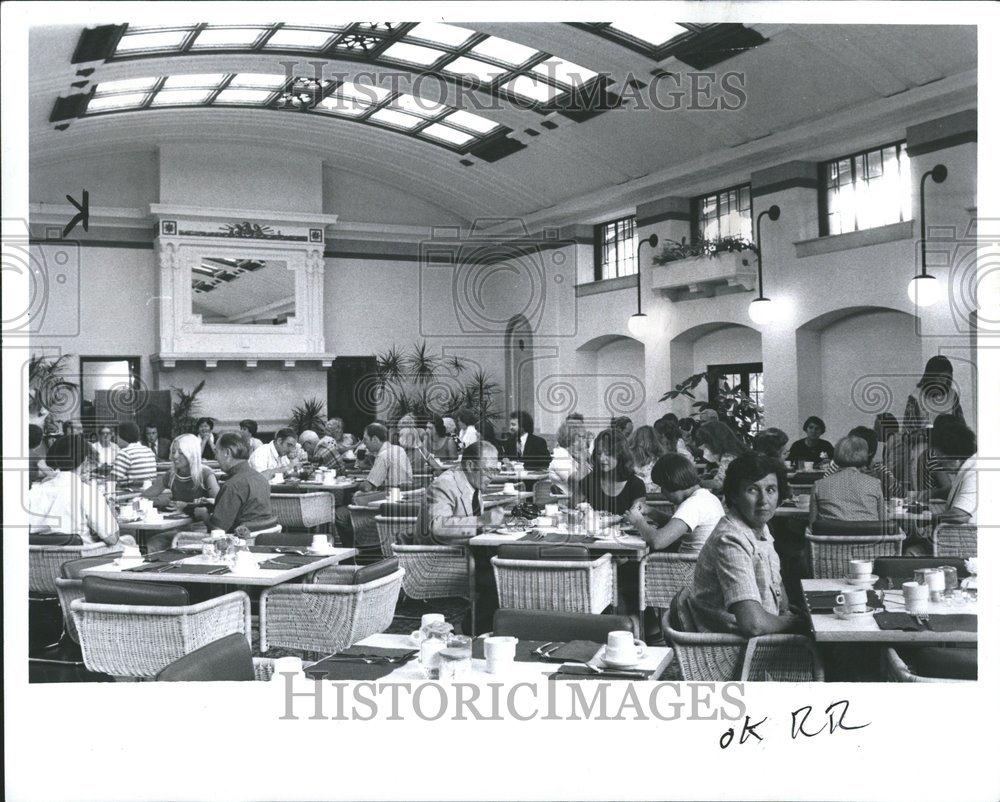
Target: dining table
x=954, y=619
x=142, y=528
x=351, y=664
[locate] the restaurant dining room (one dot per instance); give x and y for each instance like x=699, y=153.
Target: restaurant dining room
x=499, y=351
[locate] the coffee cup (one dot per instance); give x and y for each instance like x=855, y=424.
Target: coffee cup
x=853, y=601
x=509, y=489
x=425, y=621
x=320, y=543
x=860, y=569
x=499, y=652
x=394, y=494
x=552, y=510
x=623, y=648
x=278, y=478
x=916, y=596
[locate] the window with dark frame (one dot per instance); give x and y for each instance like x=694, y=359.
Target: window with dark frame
x=746, y=377
x=726, y=213
x=865, y=190
x=119, y=374
x=615, y=245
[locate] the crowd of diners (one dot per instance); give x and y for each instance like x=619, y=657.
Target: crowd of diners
x=724, y=490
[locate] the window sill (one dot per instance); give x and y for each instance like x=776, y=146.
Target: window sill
x=854, y=239
x=605, y=285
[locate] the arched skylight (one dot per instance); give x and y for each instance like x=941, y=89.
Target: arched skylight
x=453, y=52
x=698, y=46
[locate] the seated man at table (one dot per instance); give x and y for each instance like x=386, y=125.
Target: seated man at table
x=135, y=462
x=454, y=510
x=245, y=497
x=737, y=586
x=391, y=467
x=277, y=455
x=308, y=441
x=65, y=503
x=160, y=446
x=524, y=445
x=958, y=446
x=331, y=448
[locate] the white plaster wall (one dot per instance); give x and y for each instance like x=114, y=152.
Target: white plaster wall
x=356, y=197
x=125, y=179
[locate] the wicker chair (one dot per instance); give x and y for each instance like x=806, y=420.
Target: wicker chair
x=393, y=529
x=781, y=658
x=434, y=572
x=326, y=618
x=954, y=540
x=707, y=656
x=662, y=575
x=830, y=554
x=44, y=563
x=898, y=671
x=193, y=538
x=366, y=536
x=302, y=511
x=574, y=586
x=126, y=640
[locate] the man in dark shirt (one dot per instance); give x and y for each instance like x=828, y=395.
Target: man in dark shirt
x=523, y=445
x=245, y=496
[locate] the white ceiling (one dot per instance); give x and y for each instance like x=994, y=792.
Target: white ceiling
x=804, y=86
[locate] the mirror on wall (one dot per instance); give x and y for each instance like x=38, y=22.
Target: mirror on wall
x=258, y=292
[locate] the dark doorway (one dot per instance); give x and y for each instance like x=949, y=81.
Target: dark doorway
x=350, y=392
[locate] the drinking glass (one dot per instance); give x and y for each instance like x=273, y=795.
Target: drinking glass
x=456, y=657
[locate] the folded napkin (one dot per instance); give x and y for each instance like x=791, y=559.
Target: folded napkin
x=334, y=669
x=901, y=621
x=285, y=561
x=582, y=672
x=582, y=651
x=195, y=568
x=958, y=622
x=153, y=567
x=278, y=549
x=823, y=601
x=168, y=556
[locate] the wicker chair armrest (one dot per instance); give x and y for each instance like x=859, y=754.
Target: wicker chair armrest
x=236, y=597
x=668, y=557
x=428, y=549
x=859, y=540
x=548, y=565
x=705, y=638
x=396, y=519
x=289, y=589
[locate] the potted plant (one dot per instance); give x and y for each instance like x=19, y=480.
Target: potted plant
x=673, y=251
x=185, y=407
x=308, y=415
x=736, y=408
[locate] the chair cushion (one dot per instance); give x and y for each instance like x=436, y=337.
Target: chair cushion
x=72, y=568
x=828, y=527
x=542, y=551
x=897, y=567
x=942, y=662
x=122, y=591
x=376, y=571
x=549, y=625
x=225, y=660
x=53, y=539
x=290, y=539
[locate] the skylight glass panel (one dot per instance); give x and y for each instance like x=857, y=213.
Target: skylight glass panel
x=270, y=80
x=243, y=96
x=299, y=38
x=209, y=79
x=473, y=122
x=227, y=37
x=363, y=93
x=487, y=73
x=502, y=50
x=446, y=134
x=531, y=88
x=420, y=106
x=127, y=85
x=151, y=40
x=346, y=106
x=441, y=34
x=650, y=31
x=413, y=54
x=116, y=102
x=566, y=72
x=396, y=118
x=181, y=97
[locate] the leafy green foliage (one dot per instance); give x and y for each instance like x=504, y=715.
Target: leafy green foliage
x=308, y=415
x=734, y=407
x=186, y=405
x=673, y=251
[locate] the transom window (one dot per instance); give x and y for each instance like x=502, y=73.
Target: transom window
x=865, y=190
x=726, y=213
x=745, y=377
x=615, y=249
x=375, y=105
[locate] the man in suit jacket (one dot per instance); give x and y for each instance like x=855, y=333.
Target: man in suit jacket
x=454, y=510
x=160, y=446
x=524, y=445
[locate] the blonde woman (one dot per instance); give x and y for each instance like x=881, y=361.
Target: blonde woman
x=187, y=480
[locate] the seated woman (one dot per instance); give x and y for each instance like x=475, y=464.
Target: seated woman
x=188, y=480
x=65, y=503
x=719, y=444
x=736, y=586
x=697, y=509
x=646, y=450
x=441, y=444
x=848, y=494
x=612, y=485
x=811, y=448
x=411, y=440
x=571, y=456
x=206, y=431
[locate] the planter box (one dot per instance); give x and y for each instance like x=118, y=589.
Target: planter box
x=705, y=277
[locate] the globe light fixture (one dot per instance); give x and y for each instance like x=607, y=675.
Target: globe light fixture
x=638, y=324
x=925, y=290
x=761, y=309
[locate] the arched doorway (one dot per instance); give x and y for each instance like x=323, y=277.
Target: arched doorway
x=519, y=366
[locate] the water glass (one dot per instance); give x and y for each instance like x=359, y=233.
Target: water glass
x=208, y=550
x=456, y=657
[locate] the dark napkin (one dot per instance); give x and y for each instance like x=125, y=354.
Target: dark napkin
x=557, y=537
x=331, y=668
x=582, y=672
x=197, y=568
x=581, y=650
x=278, y=549
x=823, y=601
x=150, y=567
x=285, y=561
x=168, y=555
x=957, y=622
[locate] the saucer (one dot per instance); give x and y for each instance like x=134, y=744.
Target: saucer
x=604, y=661
x=871, y=579
x=845, y=616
